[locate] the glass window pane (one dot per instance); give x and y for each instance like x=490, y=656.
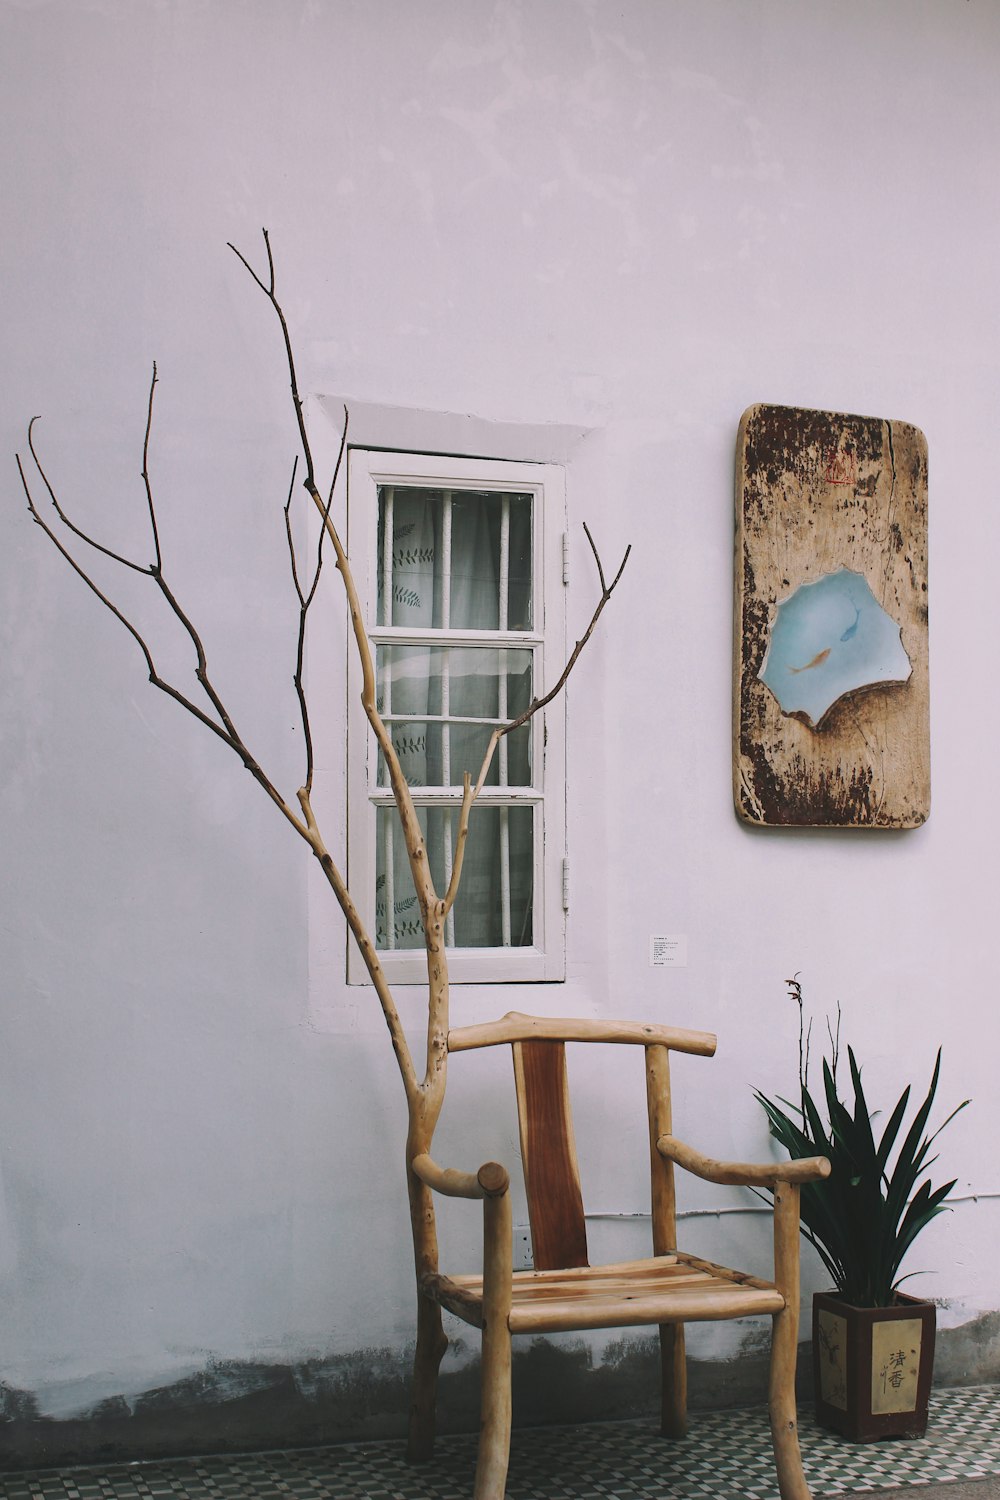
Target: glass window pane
x=475, y=561
x=409, y=519
x=486, y=685
x=494, y=906
x=519, y=612
x=466, y=682
x=438, y=754
x=456, y=559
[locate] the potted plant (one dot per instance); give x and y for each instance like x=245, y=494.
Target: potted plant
x=873, y=1345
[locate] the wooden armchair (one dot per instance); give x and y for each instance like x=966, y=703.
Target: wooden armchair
x=564, y=1291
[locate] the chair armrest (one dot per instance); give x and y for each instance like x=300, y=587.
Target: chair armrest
x=740, y=1173
x=491, y=1181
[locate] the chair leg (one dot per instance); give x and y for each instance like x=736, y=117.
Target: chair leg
x=495, y=1409
x=432, y=1341
x=495, y=1413
x=673, y=1381
x=785, y=1346
x=782, y=1407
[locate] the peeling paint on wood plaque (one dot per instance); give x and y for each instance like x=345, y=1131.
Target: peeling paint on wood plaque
x=830, y=682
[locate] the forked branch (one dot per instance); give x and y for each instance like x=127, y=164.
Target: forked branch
x=413, y=837
x=606, y=591
x=305, y=599
x=471, y=792
x=223, y=726
x=425, y=1097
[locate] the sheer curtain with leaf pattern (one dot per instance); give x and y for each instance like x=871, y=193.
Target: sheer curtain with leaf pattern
x=454, y=586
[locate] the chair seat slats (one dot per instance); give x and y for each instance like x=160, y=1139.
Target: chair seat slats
x=660, y=1290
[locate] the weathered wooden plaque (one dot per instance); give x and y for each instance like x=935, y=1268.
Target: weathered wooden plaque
x=830, y=682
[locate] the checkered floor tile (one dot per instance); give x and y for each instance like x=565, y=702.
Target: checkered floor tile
x=727, y=1456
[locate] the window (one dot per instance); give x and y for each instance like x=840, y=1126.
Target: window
x=459, y=565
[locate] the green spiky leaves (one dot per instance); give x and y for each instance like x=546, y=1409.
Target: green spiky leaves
x=865, y=1216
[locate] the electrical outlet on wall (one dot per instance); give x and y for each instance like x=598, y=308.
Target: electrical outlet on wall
x=522, y=1248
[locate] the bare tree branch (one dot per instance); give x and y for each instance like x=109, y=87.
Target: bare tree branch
x=470, y=793
x=288, y=534
x=269, y=293
x=425, y=1095
x=462, y=836
x=226, y=731
x=427, y=898
x=300, y=648
x=413, y=837
x=366, y=947
x=306, y=825
x=64, y=518
x=201, y=670
x=607, y=592
x=305, y=600
x=154, y=676
x=325, y=515
x=537, y=703
x=145, y=471
x=36, y=517
x=153, y=570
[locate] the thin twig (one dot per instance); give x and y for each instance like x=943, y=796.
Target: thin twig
x=325, y=514
x=268, y=289
x=470, y=793
x=305, y=602
x=228, y=732
x=36, y=517
x=606, y=591
x=288, y=533
x=145, y=470
x=413, y=837
x=64, y=518
x=416, y=851
x=461, y=839
x=240, y=256
x=300, y=647
x=376, y=973
x=154, y=676
x=225, y=731
x=201, y=671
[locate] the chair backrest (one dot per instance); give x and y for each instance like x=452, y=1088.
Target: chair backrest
x=548, y=1147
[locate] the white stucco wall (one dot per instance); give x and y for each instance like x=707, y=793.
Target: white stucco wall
x=629, y=220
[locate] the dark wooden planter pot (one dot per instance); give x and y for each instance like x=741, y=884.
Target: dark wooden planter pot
x=872, y=1366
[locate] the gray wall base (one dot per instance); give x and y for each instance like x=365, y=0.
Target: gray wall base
x=234, y=1407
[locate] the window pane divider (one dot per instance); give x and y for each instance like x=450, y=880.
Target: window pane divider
x=446, y=512
x=416, y=717
x=388, y=848
x=397, y=635
x=503, y=620
x=390, y=885
x=386, y=559
x=431, y=796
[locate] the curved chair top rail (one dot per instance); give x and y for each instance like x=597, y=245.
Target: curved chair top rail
x=516, y=1027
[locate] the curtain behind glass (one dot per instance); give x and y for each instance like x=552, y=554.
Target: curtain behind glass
x=426, y=594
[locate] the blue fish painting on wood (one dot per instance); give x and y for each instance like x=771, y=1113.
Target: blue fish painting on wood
x=830, y=682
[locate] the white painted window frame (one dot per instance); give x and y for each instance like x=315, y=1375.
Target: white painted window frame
x=367, y=469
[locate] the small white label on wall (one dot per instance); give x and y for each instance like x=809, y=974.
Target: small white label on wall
x=670, y=952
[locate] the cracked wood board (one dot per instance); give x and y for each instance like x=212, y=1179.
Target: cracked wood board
x=818, y=492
